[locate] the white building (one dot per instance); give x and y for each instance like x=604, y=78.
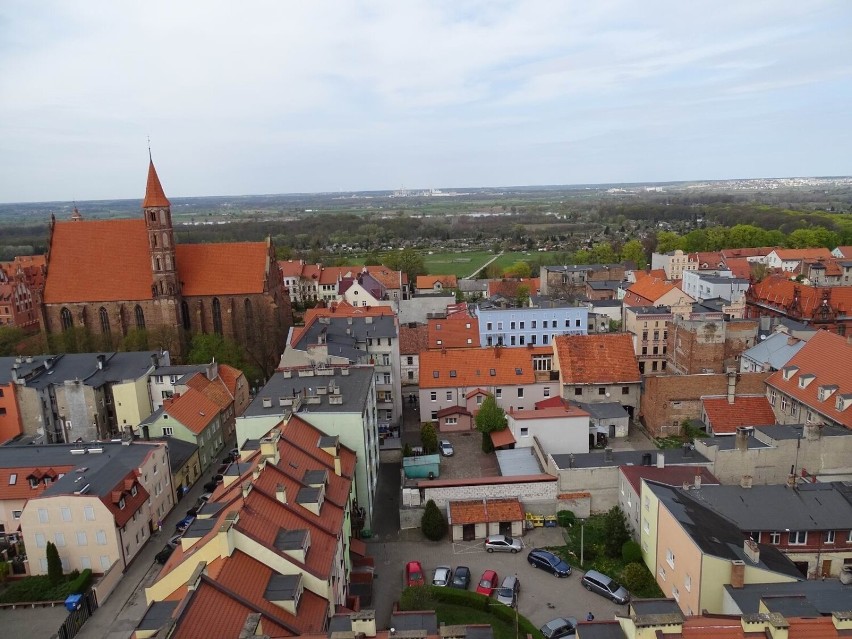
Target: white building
x=711, y=284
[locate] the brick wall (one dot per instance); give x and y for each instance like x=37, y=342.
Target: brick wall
x=673, y=398
x=708, y=347
x=541, y=492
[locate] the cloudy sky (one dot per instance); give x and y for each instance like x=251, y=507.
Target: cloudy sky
x=276, y=97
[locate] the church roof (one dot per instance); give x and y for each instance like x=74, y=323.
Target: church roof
x=85, y=261
x=221, y=269
x=154, y=194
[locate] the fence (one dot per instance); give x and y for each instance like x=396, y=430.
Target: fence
x=75, y=619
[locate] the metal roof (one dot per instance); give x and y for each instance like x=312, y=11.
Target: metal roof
x=517, y=461
x=353, y=391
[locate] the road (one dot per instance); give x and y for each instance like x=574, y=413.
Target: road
x=483, y=267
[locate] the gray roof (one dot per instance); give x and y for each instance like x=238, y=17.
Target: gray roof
x=353, y=389
x=729, y=442
x=579, y=267
x=517, y=461
x=719, y=279
x=103, y=470
x=775, y=350
x=655, y=606
x=826, y=596
x=547, y=301
x=26, y=366
x=627, y=457
x=473, y=286
x=200, y=527
x=179, y=451
x=796, y=431
x=777, y=507
x=606, y=303
x=339, y=341
x=651, y=310
x=157, y=615
x=180, y=370
x=604, y=410
x=714, y=534
x=601, y=630
x=603, y=285
x=282, y=587
x=118, y=367
x=426, y=620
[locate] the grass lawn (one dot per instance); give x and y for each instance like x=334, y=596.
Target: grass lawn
x=456, y=615
x=458, y=264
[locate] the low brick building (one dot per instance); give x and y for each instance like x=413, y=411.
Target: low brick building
x=708, y=345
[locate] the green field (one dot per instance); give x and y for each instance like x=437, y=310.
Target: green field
x=463, y=264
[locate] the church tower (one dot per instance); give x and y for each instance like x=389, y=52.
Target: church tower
x=158, y=222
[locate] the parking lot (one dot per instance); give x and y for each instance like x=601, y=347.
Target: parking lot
x=542, y=596
x=468, y=460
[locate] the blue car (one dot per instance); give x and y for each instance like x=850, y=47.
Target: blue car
x=546, y=560
x=184, y=523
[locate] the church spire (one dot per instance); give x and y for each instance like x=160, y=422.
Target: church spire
x=154, y=195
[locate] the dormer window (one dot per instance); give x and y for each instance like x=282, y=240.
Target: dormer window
x=826, y=391
x=452, y=373
x=789, y=371
x=133, y=490
x=121, y=504
x=843, y=402
x=436, y=374
x=806, y=379
x=33, y=482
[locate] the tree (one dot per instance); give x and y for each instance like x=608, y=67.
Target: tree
x=638, y=580
x=668, y=241
x=4, y=571
x=408, y=261
x=489, y=419
x=633, y=251
x=54, y=564
x=602, y=253
x=204, y=348
x=10, y=337
x=433, y=524
x=616, y=531
x=519, y=269
x=631, y=551
x=522, y=295
x=429, y=438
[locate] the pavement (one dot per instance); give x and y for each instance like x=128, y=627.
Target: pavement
x=542, y=596
x=37, y=623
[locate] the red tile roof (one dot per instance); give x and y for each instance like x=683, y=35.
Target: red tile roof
x=453, y=410
x=509, y=288
x=739, y=266
x=471, y=367
x=457, y=332
x=724, y=418
x=82, y=268
x=550, y=412
x=760, y=251
x=827, y=356
x=670, y=475
x=502, y=438
x=193, y=409
x=154, y=195
x=802, y=254
x=607, y=358
x=132, y=503
x=845, y=251
x=220, y=269
x=429, y=281
x=778, y=292
x=21, y=488
x=485, y=511
x=649, y=289
x=230, y=376
x=413, y=340
x=291, y=268
x=386, y=277
x=707, y=259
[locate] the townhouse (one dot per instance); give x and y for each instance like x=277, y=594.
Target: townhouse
x=709, y=284
x=650, y=290
x=435, y=283
x=564, y=280
x=412, y=341
x=770, y=354
x=790, y=260
x=21, y=285
x=778, y=296
x=557, y=426
x=675, y=263
x=365, y=286
x=529, y=326
x=648, y=329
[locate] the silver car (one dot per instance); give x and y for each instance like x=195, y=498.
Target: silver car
x=443, y=576
x=507, y=593
x=503, y=543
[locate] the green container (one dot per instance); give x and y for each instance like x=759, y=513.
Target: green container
x=366, y=533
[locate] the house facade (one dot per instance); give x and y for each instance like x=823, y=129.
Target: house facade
x=709, y=284
x=530, y=326
x=648, y=328
x=562, y=428
x=674, y=263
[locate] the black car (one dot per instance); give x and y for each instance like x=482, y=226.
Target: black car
x=461, y=578
x=163, y=556
x=210, y=486
x=546, y=560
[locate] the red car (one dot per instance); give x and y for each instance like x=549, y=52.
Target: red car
x=488, y=583
x=414, y=574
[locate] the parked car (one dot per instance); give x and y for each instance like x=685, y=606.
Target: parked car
x=487, y=583
x=184, y=523
x=508, y=591
x=414, y=574
x=210, y=486
x=546, y=560
x=461, y=578
x=442, y=577
x=559, y=627
x=163, y=556
x=606, y=587
x=447, y=449
x=503, y=543
x=174, y=540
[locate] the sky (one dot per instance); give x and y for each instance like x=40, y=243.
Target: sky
x=258, y=97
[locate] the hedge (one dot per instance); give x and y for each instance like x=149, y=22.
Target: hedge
x=39, y=588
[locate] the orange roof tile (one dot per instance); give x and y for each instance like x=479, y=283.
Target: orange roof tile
x=456, y=332
x=832, y=268
x=550, y=412
x=291, y=268
x=429, y=281
x=707, y=259
x=724, y=418
x=826, y=356
x=607, y=358
x=386, y=277
x=229, y=376
x=650, y=288
x=221, y=269
x=331, y=274
x=739, y=266
x=413, y=340
x=82, y=264
x=759, y=251
x=845, y=251
x=471, y=367
x=502, y=438
x=132, y=503
x=154, y=195
x=802, y=254
x=778, y=292
x=509, y=288
x=192, y=409
x=20, y=489
x=485, y=511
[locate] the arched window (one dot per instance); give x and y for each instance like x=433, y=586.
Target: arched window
x=66, y=319
x=140, y=318
x=249, y=314
x=104, y=321
x=165, y=239
x=217, y=316
x=184, y=311
x=154, y=239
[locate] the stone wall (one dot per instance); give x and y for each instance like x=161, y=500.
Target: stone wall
x=539, y=493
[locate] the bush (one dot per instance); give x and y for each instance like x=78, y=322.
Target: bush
x=433, y=524
x=416, y=598
x=407, y=451
x=639, y=581
x=429, y=438
x=39, y=588
x=54, y=564
x=507, y=615
x=631, y=552
x=566, y=518
x=616, y=531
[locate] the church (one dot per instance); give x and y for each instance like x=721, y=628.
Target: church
x=111, y=277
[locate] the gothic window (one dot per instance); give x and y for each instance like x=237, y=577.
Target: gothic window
x=140, y=318
x=184, y=311
x=154, y=239
x=66, y=319
x=165, y=239
x=249, y=314
x=152, y=215
x=159, y=265
x=217, y=316
x=104, y=321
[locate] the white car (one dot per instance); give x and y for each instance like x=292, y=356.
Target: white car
x=443, y=576
x=447, y=448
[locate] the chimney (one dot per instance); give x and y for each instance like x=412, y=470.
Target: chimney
x=792, y=341
x=737, y=573
x=101, y=362
x=745, y=481
x=811, y=432
x=281, y=493
x=697, y=483
x=732, y=386
x=661, y=460
x=752, y=551
x=742, y=438
x=155, y=360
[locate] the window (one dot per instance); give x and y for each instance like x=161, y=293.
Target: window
x=578, y=391
x=133, y=490
x=492, y=372
x=479, y=399
x=168, y=431
x=675, y=593
x=645, y=525
x=217, y=316
x=66, y=319
x=644, y=350
x=511, y=326
x=829, y=537
x=104, y=317
x=488, y=326
x=525, y=432
x=783, y=403
x=439, y=342
x=601, y=391
x=33, y=482
x=16, y=514
x=42, y=516
x=453, y=373
x=577, y=323
x=775, y=538
x=512, y=340
x=436, y=374
x=65, y=512
x=433, y=396
x=687, y=583
x=410, y=361
x=449, y=396
x=670, y=558
x=105, y=562
x=547, y=391
x=41, y=542
x=520, y=392
x=772, y=396
x=533, y=324
x=184, y=315
x=82, y=540
x=89, y=513
x=121, y=504
x=13, y=479
x=100, y=536
x=798, y=537
x=451, y=421
x=434, y=415
x=647, y=503
x=755, y=536
x=498, y=393
x=60, y=539
x=140, y=318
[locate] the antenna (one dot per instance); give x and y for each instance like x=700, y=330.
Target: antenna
x=149, y=149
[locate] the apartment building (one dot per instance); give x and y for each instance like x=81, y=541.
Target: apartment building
x=648, y=329
x=529, y=326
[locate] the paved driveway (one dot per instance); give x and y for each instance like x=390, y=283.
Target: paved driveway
x=542, y=595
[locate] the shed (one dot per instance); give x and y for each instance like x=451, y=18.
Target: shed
x=422, y=466
x=476, y=519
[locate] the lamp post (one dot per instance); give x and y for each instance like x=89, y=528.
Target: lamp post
x=582, y=535
x=517, y=602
